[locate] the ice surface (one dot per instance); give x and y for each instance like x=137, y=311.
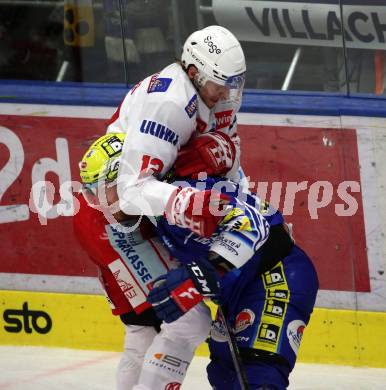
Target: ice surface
x=37, y=368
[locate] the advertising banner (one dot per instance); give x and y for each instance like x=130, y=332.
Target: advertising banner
x=312, y=170
x=39, y=160
x=312, y=22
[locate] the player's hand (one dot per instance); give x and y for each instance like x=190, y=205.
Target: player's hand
x=199, y=211
x=183, y=288
x=213, y=153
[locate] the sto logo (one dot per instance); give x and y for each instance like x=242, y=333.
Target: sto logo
x=18, y=320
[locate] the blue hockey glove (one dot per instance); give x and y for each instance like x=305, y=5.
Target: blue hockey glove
x=176, y=292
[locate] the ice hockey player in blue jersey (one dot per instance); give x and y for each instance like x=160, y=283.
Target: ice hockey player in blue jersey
x=265, y=283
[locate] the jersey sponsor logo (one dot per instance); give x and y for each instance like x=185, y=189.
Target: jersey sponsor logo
x=158, y=84
x=295, y=331
x=228, y=244
x=121, y=243
x=27, y=319
x=127, y=283
x=144, y=259
x=279, y=294
x=275, y=308
x=137, y=265
x=268, y=333
x=223, y=119
x=212, y=46
x=191, y=107
x=274, y=276
x=158, y=130
x=244, y=319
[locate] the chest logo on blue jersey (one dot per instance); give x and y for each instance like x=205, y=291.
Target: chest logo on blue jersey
x=158, y=130
x=192, y=105
x=158, y=84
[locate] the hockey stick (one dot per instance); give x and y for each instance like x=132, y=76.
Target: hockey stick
x=241, y=375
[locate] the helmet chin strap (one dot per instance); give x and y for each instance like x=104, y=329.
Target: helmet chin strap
x=199, y=80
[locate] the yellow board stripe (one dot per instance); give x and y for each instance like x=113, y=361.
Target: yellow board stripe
x=78, y=321
x=85, y=321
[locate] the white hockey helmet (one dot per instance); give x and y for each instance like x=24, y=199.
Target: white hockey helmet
x=218, y=56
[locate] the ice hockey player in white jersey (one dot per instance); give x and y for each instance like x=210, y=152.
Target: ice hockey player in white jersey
x=194, y=100
x=200, y=94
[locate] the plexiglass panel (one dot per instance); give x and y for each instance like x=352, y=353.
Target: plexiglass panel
x=289, y=45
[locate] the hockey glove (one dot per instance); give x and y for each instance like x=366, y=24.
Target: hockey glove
x=199, y=211
x=213, y=153
x=176, y=292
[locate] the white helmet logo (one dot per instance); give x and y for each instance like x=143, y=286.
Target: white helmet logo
x=212, y=47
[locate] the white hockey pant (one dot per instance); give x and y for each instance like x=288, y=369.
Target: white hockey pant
x=168, y=357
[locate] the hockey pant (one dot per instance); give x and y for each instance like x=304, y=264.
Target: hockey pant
x=171, y=352
x=268, y=322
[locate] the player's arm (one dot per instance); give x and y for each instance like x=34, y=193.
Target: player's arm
x=215, y=153
x=178, y=291
x=244, y=231
x=149, y=151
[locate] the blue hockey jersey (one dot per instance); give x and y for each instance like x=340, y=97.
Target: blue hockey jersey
x=245, y=229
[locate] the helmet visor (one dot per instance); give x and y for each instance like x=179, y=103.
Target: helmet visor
x=236, y=87
x=236, y=82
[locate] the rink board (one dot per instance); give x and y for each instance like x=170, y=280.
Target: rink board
x=40, y=253
x=45, y=142
x=85, y=322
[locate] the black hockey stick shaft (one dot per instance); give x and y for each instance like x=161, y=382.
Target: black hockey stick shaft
x=235, y=353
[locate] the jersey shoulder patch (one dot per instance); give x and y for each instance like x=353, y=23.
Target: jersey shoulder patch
x=191, y=107
x=158, y=84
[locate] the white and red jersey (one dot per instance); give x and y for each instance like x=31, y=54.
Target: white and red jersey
x=159, y=115
x=127, y=263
